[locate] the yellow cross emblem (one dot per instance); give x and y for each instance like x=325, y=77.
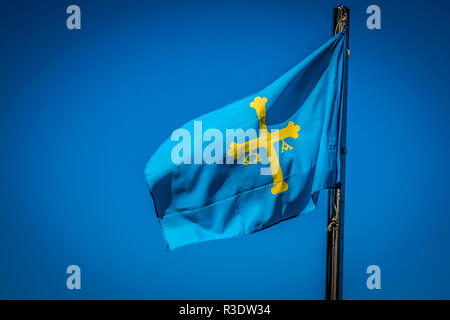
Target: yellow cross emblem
x=266, y=140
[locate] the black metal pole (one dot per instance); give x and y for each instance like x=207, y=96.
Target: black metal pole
x=335, y=241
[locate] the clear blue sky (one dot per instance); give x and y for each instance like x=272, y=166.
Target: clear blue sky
x=82, y=111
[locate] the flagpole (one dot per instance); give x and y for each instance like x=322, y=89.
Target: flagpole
x=335, y=244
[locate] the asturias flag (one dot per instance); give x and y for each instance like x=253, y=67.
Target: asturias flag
x=206, y=185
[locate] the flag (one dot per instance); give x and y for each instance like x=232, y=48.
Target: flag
x=257, y=161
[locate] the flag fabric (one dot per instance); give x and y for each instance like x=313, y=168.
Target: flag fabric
x=264, y=179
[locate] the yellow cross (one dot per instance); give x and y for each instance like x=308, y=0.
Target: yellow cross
x=267, y=139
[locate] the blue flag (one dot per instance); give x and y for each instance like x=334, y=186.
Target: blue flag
x=257, y=161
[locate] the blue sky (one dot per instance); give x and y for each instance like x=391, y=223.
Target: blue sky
x=83, y=110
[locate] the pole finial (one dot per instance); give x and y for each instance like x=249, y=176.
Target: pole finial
x=341, y=16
